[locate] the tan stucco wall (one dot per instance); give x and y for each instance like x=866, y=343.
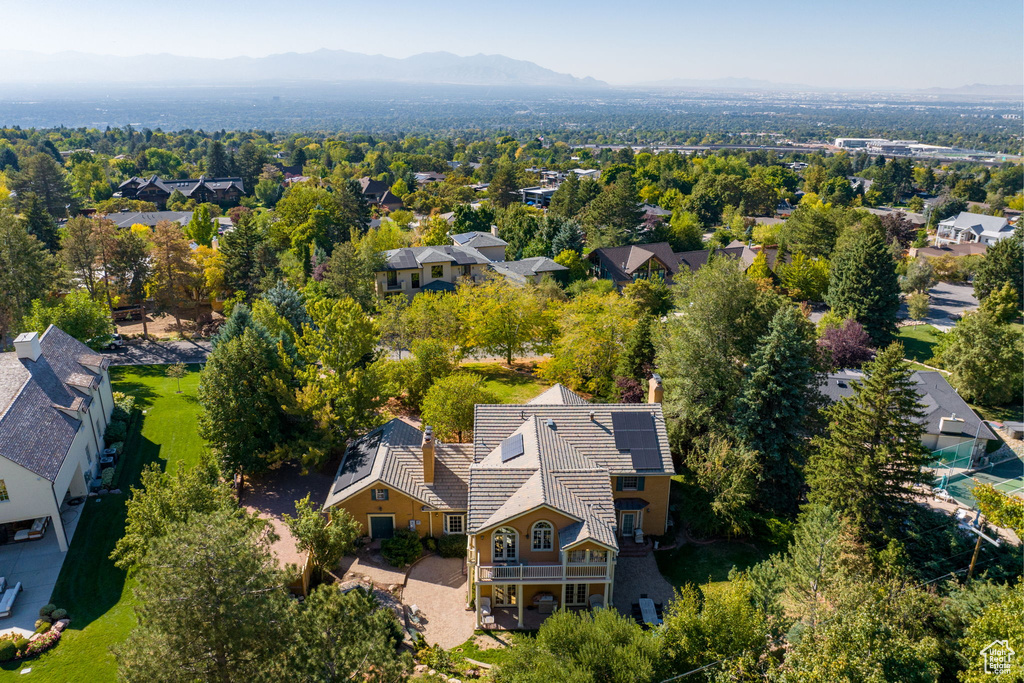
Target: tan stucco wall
x=403, y=507
x=656, y=492
x=524, y=526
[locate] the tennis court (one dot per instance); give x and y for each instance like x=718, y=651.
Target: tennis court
x=1006, y=476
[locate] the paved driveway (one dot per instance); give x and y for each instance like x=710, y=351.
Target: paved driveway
x=160, y=353
x=948, y=303
x=438, y=588
x=36, y=564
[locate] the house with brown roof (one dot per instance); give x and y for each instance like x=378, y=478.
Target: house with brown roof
x=55, y=404
x=627, y=264
x=202, y=189
x=549, y=494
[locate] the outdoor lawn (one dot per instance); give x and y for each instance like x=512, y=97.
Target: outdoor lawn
x=700, y=563
x=919, y=342
x=496, y=646
x=510, y=385
x=96, y=594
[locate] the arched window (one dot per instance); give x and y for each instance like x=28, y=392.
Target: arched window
x=543, y=536
x=505, y=549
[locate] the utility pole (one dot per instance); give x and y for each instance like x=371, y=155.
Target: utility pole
x=974, y=558
x=974, y=527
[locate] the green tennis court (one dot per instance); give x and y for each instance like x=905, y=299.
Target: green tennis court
x=1007, y=476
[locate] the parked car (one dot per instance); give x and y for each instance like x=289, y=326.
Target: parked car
x=115, y=343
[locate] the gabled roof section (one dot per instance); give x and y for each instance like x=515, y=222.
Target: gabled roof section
x=560, y=395
x=392, y=455
x=40, y=401
x=478, y=239
x=527, y=267
x=979, y=223
x=411, y=258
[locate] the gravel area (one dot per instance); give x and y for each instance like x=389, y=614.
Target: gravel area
x=362, y=567
x=437, y=587
x=636, y=575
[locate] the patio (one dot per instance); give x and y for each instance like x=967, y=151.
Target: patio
x=36, y=564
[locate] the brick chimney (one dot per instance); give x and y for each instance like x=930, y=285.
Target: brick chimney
x=655, y=392
x=428, y=455
x=26, y=345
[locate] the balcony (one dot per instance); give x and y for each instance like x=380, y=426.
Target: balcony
x=541, y=572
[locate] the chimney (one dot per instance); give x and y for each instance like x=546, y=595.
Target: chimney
x=428, y=455
x=26, y=345
x=494, y=230
x=655, y=392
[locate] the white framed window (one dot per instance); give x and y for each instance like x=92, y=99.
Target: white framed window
x=576, y=594
x=543, y=534
x=505, y=545
x=379, y=494
x=576, y=556
x=4, y=496
x=455, y=524
x=505, y=595
x=630, y=483
x=598, y=556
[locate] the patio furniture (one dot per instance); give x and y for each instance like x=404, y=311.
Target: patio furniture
x=650, y=614
x=7, y=602
x=414, y=614
x=638, y=536
x=546, y=604
x=34, y=532
x=596, y=601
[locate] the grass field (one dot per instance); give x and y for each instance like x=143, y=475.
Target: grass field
x=505, y=383
x=919, y=342
x=96, y=594
x=703, y=563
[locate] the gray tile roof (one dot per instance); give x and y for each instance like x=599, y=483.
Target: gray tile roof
x=478, y=239
x=36, y=430
x=126, y=219
x=395, y=457
x=550, y=472
x=980, y=223
x=409, y=258
x=527, y=267
x=938, y=398
x=559, y=394
x=594, y=438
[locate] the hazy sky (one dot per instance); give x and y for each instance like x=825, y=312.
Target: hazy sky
x=869, y=43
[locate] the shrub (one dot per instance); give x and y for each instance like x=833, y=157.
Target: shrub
x=116, y=431
x=119, y=414
x=44, y=621
x=8, y=650
x=402, y=548
x=42, y=626
x=452, y=545
x=430, y=543
x=47, y=610
x=59, y=614
x=118, y=446
x=124, y=401
x=21, y=644
x=48, y=640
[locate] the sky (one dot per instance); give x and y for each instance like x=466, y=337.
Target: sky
x=865, y=44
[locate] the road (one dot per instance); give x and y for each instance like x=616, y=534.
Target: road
x=948, y=303
x=160, y=353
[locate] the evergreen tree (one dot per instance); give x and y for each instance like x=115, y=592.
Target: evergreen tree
x=776, y=408
x=216, y=160
x=1003, y=263
x=44, y=177
x=8, y=159
x=504, y=187
x=177, y=201
x=567, y=236
x=637, y=359
x=289, y=304
x=248, y=257
x=813, y=562
x=40, y=223
x=863, y=284
x=201, y=229
x=565, y=201
x=237, y=323
x=614, y=217
x=27, y=271
x=871, y=458
x=249, y=164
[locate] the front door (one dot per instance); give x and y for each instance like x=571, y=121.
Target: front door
x=628, y=523
x=382, y=527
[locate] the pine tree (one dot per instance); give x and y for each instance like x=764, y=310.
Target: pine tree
x=565, y=200
x=776, y=408
x=637, y=359
x=871, y=457
x=237, y=323
x=289, y=304
x=1003, y=263
x=863, y=283
x=40, y=223
x=201, y=229
x=813, y=562
x=248, y=257
x=504, y=187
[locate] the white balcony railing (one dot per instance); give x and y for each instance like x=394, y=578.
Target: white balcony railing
x=534, y=572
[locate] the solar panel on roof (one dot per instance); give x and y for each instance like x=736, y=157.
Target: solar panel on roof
x=634, y=432
x=359, y=459
x=512, y=447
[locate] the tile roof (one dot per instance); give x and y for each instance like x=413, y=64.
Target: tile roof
x=477, y=239
x=559, y=394
x=410, y=258
x=979, y=223
x=938, y=399
x=36, y=430
x=527, y=267
x=392, y=454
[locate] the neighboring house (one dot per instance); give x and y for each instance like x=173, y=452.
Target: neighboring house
x=472, y=255
x=972, y=227
x=537, y=196
x=55, y=403
x=202, y=189
x=624, y=265
x=373, y=190
x=429, y=177
x=549, y=493
x=126, y=219
x=949, y=423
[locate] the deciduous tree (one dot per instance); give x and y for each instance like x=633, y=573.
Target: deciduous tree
x=326, y=539
x=449, y=404
x=78, y=314
x=985, y=358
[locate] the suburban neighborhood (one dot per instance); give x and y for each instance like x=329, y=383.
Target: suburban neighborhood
x=323, y=366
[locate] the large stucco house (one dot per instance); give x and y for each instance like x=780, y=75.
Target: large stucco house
x=549, y=494
x=471, y=256
x=968, y=227
x=55, y=403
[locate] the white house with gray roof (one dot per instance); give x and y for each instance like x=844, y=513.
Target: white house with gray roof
x=549, y=494
x=972, y=227
x=55, y=403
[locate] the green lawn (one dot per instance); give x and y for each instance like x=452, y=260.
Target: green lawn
x=492, y=655
x=702, y=563
x=919, y=342
x=96, y=594
x=505, y=383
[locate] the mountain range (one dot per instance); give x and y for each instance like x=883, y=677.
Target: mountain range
x=24, y=67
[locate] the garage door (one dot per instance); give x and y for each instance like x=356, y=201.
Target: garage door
x=382, y=527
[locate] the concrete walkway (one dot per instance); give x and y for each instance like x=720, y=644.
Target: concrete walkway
x=636, y=575
x=36, y=564
x=438, y=588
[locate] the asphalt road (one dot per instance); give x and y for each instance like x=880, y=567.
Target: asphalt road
x=160, y=353
x=948, y=303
